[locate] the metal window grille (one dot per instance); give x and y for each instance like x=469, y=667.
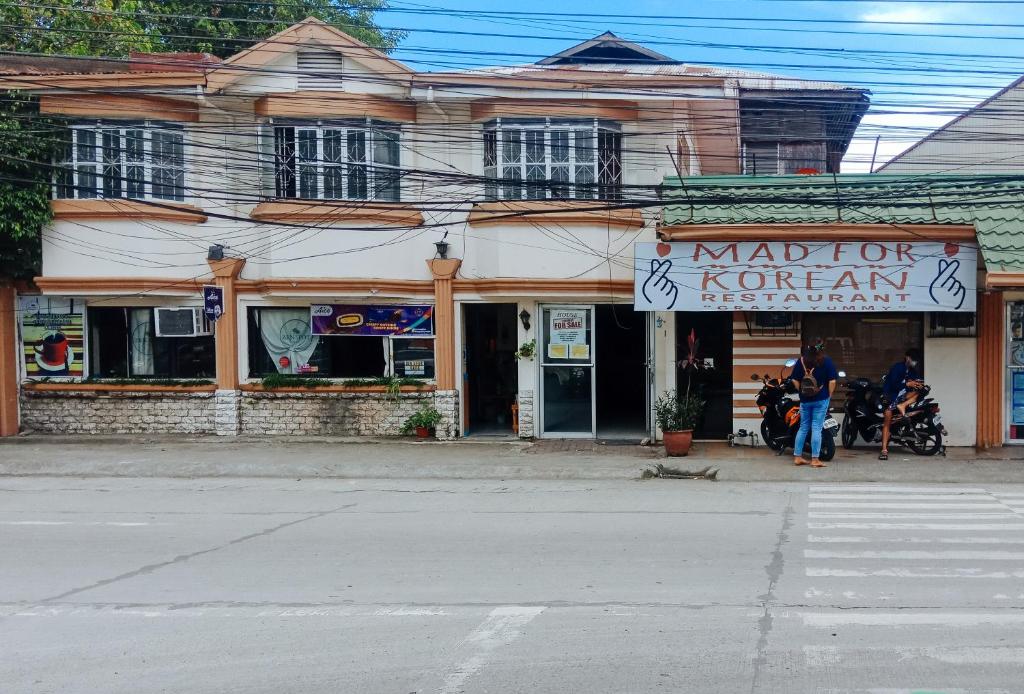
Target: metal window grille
x=952, y=324
x=122, y=160
x=552, y=159
x=337, y=161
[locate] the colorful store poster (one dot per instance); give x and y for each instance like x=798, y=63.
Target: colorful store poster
x=336, y=319
x=51, y=336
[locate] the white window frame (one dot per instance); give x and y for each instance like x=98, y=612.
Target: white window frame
x=496, y=187
x=370, y=129
x=101, y=127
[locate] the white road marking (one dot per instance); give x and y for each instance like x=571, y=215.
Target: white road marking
x=903, y=497
x=915, y=526
x=986, y=555
x=946, y=516
x=993, y=504
x=501, y=627
x=938, y=489
x=922, y=572
x=876, y=618
x=821, y=657
x=970, y=540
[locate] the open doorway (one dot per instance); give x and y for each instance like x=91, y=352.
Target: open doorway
x=710, y=378
x=491, y=375
x=621, y=372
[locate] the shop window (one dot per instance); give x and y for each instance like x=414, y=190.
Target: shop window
x=952, y=324
x=864, y=346
x=123, y=343
x=281, y=341
x=112, y=160
x=538, y=159
x=337, y=161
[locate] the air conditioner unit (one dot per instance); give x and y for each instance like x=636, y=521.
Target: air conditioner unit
x=182, y=322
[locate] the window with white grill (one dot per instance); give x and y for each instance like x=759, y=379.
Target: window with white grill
x=337, y=161
x=142, y=160
x=547, y=158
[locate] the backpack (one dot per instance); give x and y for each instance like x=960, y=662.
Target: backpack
x=808, y=384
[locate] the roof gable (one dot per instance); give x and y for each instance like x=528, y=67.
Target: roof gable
x=312, y=33
x=606, y=48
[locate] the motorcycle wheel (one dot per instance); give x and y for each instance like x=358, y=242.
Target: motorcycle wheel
x=766, y=436
x=849, y=432
x=930, y=441
x=828, y=446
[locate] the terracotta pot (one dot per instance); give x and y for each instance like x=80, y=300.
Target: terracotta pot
x=422, y=432
x=677, y=443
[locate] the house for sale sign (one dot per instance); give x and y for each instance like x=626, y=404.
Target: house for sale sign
x=805, y=276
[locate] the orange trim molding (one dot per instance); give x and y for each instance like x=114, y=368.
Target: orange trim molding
x=990, y=348
x=1004, y=279
x=114, y=388
x=126, y=209
x=326, y=285
x=225, y=333
x=839, y=231
x=379, y=213
x=553, y=212
x=611, y=109
x=328, y=104
x=121, y=80
x=562, y=78
x=119, y=106
x=10, y=358
x=226, y=268
x=99, y=285
x=339, y=388
x=525, y=285
x=443, y=270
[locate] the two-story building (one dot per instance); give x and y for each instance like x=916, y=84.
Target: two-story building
x=463, y=239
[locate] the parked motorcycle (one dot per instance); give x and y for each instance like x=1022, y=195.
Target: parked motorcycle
x=780, y=416
x=920, y=429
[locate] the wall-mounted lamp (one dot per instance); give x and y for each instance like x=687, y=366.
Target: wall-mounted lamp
x=216, y=252
x=524, y=318
x=442, y=249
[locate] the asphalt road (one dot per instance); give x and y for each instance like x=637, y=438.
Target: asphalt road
x=317, y=586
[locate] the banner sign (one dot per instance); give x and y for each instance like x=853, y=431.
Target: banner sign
x=805, y=276
x=51, y=336
x=213, y=302
x=337, y=319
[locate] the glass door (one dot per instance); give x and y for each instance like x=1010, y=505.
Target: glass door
x=1015, y=371
x=567, y=371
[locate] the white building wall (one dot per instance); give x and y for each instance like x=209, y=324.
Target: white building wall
x=951, y=371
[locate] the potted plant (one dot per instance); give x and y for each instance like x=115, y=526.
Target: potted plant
x=677, y=417
x=422, y=422
x=527, y=350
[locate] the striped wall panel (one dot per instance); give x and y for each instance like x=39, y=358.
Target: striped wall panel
x=753, y=354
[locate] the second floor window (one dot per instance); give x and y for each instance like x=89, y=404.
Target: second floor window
x=337, y=161
x=112, y=160
x=552, y=159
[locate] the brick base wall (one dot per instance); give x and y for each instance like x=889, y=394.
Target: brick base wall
x=113, y=412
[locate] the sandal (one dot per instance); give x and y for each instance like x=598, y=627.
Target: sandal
x=801, y=461
x=818, y=465
x=884, y=455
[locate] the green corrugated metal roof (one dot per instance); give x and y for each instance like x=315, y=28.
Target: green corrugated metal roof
x=994, y=204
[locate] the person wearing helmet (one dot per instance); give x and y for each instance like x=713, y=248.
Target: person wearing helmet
x=814, y=376
x=899, y=390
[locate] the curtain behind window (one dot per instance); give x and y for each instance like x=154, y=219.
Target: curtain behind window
x=286, y=333
x=141, y=334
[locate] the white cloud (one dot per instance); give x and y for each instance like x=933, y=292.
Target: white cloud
x=907, y=13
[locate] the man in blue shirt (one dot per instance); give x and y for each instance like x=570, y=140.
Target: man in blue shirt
x=813, y=405
x=904, y=374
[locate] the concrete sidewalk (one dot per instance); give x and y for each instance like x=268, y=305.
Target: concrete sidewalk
x=306, y=457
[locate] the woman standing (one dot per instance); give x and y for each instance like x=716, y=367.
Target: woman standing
x=814, y=376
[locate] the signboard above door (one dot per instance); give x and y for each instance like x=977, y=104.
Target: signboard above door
x=805, y=276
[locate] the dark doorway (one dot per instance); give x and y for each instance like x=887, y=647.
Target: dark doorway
x=712, y=377
x=491, y=376
x=621, y=371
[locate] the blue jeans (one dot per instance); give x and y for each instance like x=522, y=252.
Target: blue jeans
x=812, y=417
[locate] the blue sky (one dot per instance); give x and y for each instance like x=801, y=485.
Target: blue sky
x=870, y=46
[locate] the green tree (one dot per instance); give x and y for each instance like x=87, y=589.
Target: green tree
x=114, y=28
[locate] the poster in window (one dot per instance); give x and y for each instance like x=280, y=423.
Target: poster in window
x=52, y=336
x=568, y=326
x=338, y=319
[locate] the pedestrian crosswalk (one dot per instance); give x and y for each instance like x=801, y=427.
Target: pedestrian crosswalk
x=900, y=581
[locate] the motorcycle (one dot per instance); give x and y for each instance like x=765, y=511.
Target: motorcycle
x=920, y=429
x=780, y=416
